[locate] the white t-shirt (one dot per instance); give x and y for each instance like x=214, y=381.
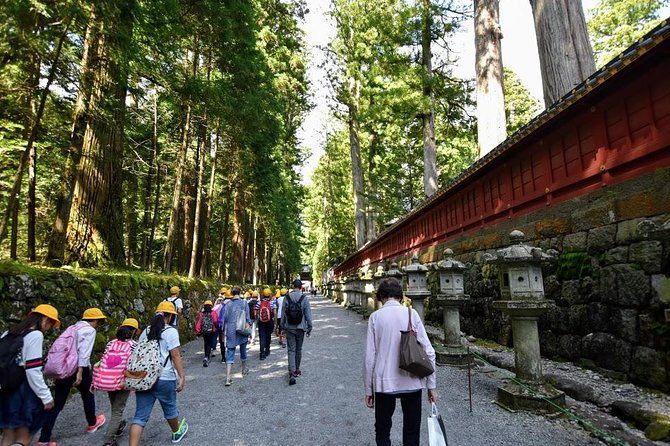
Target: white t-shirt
x=179, y=306
x=280, y=305
x=169, y=340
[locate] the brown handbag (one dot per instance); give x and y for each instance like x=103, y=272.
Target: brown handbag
x=413, y=358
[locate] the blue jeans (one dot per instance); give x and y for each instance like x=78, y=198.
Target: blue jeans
x=21, y=408
x=63, y=387
x=230, y=354
x=165, y=392
x=411, y=417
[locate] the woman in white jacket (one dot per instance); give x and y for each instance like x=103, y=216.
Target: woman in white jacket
x=384, y=380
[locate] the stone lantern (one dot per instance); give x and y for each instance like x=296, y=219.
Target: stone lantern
x=379, y=275
x=416, y=284
x=522, y=292
x=451, y=297
x=367, y=290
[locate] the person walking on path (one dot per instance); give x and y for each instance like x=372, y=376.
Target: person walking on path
x=280, y=330
x=81, y=379
x=384, y=380
x=170, y=382
x=175, y=300
x=296, y=321
x=226, y=297
x=266, y=309
x=109, y=373
x=206, y=326
x=22, y=409
x=233, y=338
x=253, y=314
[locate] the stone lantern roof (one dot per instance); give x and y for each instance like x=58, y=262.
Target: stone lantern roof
x=519, y=252
x=415, y=267
x=394, y=271
x=449, y=263
x=380, y=273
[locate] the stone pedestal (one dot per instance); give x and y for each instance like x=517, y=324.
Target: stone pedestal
x=368, y=295
x=452, y=352
x=524, y=315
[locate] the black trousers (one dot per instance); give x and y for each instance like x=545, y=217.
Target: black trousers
x=207, y=338
x=411, y=417
x=265, y=333
x=63, y=387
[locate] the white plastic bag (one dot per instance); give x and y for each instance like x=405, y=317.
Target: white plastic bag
x=437, y=434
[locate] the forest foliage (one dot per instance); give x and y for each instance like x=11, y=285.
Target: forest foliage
x=167, y=139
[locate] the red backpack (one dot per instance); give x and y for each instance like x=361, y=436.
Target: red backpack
x=266, y=311
x=109, y=373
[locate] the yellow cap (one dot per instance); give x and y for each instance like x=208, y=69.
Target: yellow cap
x=48, y=311
x=93, y=313
x=255, y=293
x=223, y=290
x=228, y=293
x=284, y=291
x=166, y=307
x=175, y=290
x=130, y=322
x=208, y=302
x=267, y=292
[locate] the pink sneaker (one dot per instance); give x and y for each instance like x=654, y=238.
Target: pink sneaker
x=99, y=422
x=48, y=443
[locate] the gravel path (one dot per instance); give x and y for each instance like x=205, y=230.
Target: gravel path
x=326, y=406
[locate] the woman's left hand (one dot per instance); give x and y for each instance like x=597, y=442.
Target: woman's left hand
x=370, y=401
x=432, y=395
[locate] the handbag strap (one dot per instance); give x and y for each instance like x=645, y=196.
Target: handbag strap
x=409, y=320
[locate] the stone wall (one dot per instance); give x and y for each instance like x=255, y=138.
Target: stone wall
x=611, y=283
x=119, y=294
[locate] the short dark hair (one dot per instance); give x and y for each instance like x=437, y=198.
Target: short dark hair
x=389, y=287
x=236, y=291
x=124, y=333
x=297, y=283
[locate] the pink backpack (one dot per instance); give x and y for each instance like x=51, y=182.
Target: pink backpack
x=109, y=373
x=63, y=359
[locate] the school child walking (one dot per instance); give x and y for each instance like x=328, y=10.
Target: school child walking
x=108, y=375
x=84, y=332
x=206, y=326
x=24, y=401
x=266, y=309
x=170, y=381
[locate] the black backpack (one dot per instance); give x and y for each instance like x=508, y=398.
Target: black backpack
x=294, y=310
x=11, y=373
x=207, y=323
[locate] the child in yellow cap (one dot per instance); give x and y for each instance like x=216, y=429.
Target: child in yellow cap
x=25, y=400
x=84, y=330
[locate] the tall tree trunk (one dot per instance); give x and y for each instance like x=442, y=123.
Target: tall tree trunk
x=430, y=174
x=153, y=170
x=222, y=271
x=95, y=230
x=179, y=174
x=566, y=56
x=56, y=251
x=206, y=266
x=198, y=200
x=237, y=261
x=154, y=221
x=131, y=218
x=491, y=129
x=356, y=170
x=254, y=253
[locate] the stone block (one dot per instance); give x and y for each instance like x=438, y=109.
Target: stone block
x=623, y=324
x=576, y=241
x=598, y=316
x=571, y=292
x=558, y=319
x=570, y=346
x=627, y=231
x=601, y=238
x=624, y=285
x=648, y=368
x=592, y=215
x=648, y=255
x=551, y=227
x=578, y=319
x=607, y=351
x=660, y=285
x=618, y=254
